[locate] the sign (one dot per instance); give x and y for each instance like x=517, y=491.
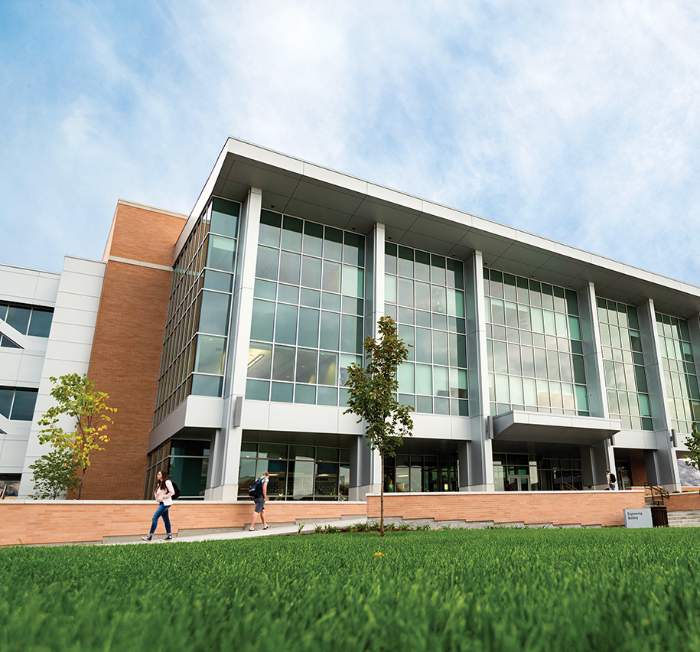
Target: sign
x=639, y=517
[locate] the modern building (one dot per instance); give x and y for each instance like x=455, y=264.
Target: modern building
x=223, y=338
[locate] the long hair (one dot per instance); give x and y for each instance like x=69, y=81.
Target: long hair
x=160, y=484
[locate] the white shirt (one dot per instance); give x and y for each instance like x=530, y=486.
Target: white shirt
x=165, y=497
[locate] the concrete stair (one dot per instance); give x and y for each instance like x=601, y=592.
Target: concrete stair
x=690, y=518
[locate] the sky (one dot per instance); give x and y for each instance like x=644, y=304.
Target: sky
x=578, y=121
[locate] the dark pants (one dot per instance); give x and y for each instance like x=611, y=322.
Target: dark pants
x=161, y=511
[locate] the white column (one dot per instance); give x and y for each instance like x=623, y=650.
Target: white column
x=603, y=454
x=479, y=476
x=226, y=454
x=365, y=464
x=666, y=466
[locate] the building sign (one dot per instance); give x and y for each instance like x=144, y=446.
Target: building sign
x=638, y=518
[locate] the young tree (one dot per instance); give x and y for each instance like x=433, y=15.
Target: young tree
x=372, y=391
x=55, y=473
x=75, y=396
x=693, y=444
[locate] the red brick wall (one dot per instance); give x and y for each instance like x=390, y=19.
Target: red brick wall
x=125, y=358
x=683, y=502
x=558, y=508
x=74, y=522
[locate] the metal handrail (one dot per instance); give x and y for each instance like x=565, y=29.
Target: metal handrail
x=657, y=493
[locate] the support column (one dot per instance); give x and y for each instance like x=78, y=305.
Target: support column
x=664, y=464
x=602, y=456
x=366, y=477
x=222, y=483
x=479, y=452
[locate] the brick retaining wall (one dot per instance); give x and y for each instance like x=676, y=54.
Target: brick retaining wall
x=683, y=502
x=86, y=521
x=557, y=508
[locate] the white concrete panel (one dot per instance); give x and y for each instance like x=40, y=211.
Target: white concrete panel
x=72, y=317
x=13, y=452
x=10, y=361
x=87, y=285
x=61, y=350
x=303, y=418
x=204, y=412
x=256, y=415
x=76, y=301
x=72, y=332
x=30, y=368
x=46, y=289
x=643, y=439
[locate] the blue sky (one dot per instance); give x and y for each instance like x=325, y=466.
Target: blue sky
x=577, y=121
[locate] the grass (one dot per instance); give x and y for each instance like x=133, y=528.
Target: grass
x=563, y=590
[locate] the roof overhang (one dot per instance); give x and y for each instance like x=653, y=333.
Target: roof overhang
x=300, y=188
x=536, y=427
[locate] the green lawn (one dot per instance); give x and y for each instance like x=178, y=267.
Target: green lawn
x=502, y=590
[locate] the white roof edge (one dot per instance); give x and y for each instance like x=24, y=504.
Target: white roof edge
x=295, y=165
x=32, y=270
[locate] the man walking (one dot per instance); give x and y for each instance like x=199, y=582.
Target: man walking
x=259, y=494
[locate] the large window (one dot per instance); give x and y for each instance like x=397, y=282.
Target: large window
x=677, y=357
x=185, y=461
x=623, y=363
x=417, y=472
x=307, y=325
x=297, y=471
x=9, y=485
x=194, y=347
x=28, y=320
x=535, y=348
x=424, y=293
x=17, y=403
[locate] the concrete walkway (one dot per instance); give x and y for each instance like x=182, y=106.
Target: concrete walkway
x=274, y=530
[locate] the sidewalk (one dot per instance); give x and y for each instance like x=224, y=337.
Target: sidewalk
x=273, y=530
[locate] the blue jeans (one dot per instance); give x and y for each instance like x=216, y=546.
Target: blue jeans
x=161, y=511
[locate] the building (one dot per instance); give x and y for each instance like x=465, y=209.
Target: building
x=223, y=338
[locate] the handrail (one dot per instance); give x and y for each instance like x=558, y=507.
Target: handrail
x=657, y=493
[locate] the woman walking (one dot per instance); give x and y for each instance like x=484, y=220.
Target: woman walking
x=163, y=493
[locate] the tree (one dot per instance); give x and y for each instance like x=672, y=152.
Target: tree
x=372, y=397
x=693, y=444
x=76, y=397
x=55, y=473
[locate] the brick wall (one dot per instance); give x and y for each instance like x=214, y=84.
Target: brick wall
x=683, y=502
x=558, y=508
x=125, y=359
x=75, y=522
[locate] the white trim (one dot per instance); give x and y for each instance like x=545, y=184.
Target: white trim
x=139, y=263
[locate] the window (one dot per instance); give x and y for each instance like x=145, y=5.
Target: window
x=28, y=320
x=297, y=471
x=194, y=347
x=535, y=349
x=425, y=295
x=17, y=403
x=307, y=312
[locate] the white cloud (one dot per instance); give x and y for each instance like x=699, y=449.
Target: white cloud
x=574, y=121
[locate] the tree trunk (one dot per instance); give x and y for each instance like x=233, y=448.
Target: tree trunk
x=381, y=494
x=80, y=483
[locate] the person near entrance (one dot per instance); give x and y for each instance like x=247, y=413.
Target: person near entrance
x=259, y=495
x=164, y=493
x=612, y=481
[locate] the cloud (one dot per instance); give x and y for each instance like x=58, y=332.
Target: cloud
x=578, y=122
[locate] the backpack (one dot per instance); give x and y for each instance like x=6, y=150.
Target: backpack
x=176, y=491
x=256, y=489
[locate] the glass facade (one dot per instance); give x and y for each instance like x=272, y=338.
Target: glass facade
x=297, y=471
x=28, y=320
x=194, y=347
x=623, y=364
x=421, y=472
x=307, y=324
x=17, y=403
x=535, y=348
x=185, y=461
x=9, y=485
x=424, y=293
x=682, y=393
x=557, y=469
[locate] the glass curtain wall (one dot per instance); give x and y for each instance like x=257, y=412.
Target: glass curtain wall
x=307, y=325
x=623, y=363
x=677, y=357
x=297, y=471
x=535, y=348
x=421, y=473
x=424, y=293
x=194, y=348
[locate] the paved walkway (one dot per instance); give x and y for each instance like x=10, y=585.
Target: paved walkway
x=273, y=530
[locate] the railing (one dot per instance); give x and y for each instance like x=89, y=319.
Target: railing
x=655, y=494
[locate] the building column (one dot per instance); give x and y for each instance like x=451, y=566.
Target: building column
x=601, y=456
x=476, y=473
x=665, y=465
x=222, y=483
x=365, y=463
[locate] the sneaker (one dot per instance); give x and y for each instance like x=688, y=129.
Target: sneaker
x=148, y=537
x=266, y=527
x=169, y=537
x=251, y=529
